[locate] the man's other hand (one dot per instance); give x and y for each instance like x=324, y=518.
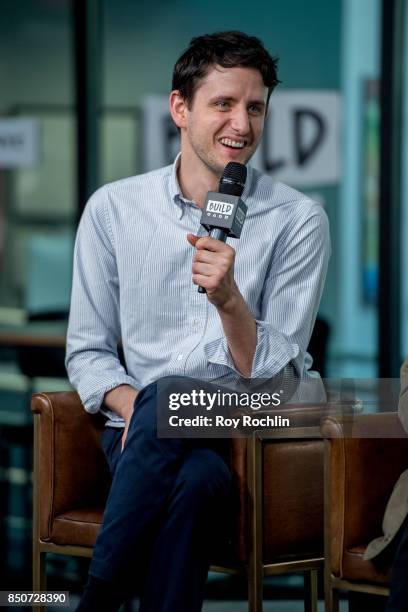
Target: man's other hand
x=125, y=431
x=122, y=400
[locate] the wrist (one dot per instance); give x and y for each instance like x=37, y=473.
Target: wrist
x=231, y=304
x=121, y=400
x=127, y=412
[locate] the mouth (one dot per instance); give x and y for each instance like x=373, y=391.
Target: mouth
x=233, y=144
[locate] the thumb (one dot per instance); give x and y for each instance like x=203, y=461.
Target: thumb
x=124, y=436
x=192, y=239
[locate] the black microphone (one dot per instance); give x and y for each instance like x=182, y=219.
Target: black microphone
x=224, y=212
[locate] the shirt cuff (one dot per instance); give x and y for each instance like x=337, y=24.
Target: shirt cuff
x=273, y=352
x=92, y=395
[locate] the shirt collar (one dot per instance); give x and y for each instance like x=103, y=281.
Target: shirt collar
x=175, y=191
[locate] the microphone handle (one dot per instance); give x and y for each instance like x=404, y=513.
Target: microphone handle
x=218, y=234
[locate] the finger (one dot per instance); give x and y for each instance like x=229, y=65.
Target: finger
x=208, y=282
x=206, y=257
x=211, y=244
x=205, y=269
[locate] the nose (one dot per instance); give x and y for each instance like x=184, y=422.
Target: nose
x=240, y=121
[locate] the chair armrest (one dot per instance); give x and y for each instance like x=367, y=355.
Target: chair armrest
x=70, y=468
x=364, y=457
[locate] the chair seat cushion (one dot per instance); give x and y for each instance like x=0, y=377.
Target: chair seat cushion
x=77, y=527
x=356, y=568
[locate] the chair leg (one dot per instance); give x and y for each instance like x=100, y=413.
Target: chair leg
x=310, y=590
x=255, y=590
x=39, y=576
x=331, y=600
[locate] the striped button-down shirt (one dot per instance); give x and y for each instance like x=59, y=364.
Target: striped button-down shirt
x=132, y=281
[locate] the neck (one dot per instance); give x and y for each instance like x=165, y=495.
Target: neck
x=196, y=184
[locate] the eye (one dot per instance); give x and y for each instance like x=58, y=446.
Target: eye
x=255, y=109
x=222, y=104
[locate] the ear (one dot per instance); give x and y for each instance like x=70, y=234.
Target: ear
x=178, y=108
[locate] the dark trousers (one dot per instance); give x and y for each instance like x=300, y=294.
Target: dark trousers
x=398, y=600
x=164, y=512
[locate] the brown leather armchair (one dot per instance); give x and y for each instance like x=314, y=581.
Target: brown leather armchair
x=279, y=526
x=364, y=457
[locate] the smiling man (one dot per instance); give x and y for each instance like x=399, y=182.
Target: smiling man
x=140, y=252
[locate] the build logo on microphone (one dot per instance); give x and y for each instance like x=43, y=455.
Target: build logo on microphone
x=219, y=208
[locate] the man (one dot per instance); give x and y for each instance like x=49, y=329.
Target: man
x=139, y=257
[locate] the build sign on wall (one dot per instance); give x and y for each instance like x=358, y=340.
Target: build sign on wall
x=300, y=144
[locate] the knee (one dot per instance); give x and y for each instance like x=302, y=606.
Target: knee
x=144, y=415
x=152, y=400
x=146, y=394
x=145, y=424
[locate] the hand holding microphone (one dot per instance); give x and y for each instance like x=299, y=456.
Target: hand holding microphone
x=223, y=215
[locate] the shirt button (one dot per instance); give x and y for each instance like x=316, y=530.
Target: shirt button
x=196, y=322
x=179, y=357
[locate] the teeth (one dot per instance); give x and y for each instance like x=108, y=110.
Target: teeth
x=232, y=143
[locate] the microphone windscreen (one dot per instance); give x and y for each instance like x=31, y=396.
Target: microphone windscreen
x=233, y=179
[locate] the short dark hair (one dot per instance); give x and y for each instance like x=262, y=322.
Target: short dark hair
x=230, y=49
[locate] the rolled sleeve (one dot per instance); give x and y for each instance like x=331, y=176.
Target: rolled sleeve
x=92, y=388
x=272, y=350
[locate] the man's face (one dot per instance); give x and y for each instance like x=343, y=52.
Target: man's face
x=226, y=117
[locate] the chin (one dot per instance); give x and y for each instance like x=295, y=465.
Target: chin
x=237, y=157
x=241, y=156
